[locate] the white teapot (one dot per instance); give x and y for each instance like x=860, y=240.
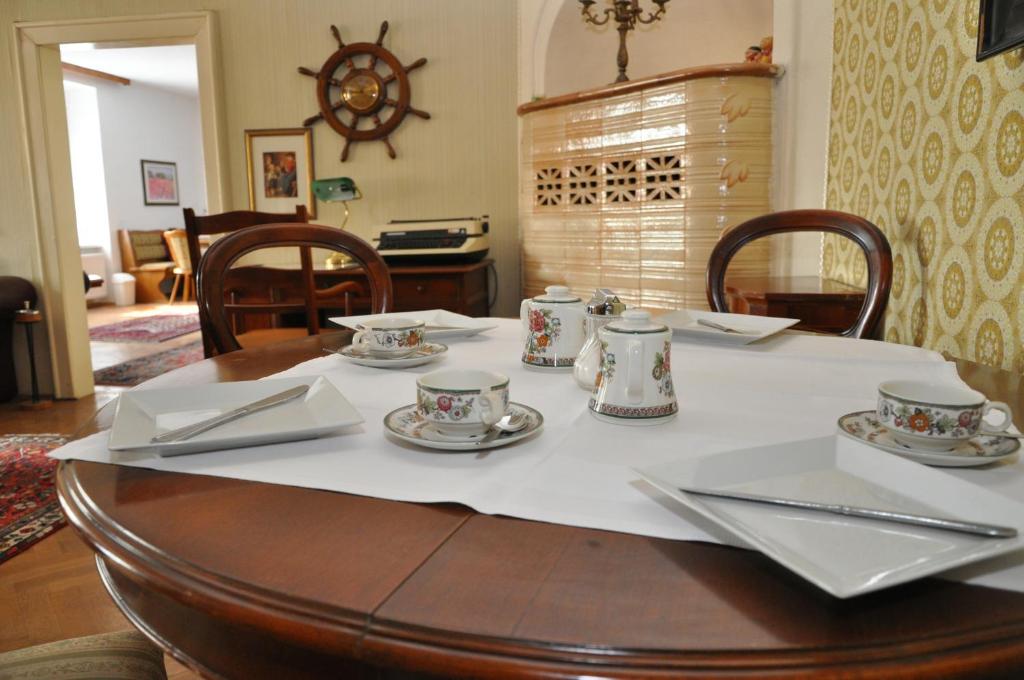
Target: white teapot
x=553, y=324
x=634, y=381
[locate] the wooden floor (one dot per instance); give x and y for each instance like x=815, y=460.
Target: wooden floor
x=52, y=591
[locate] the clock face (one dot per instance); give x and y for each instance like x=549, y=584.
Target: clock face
x=361, y=90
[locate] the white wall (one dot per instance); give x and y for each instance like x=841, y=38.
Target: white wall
x=138, y=122
x=141, y=122
x=803, y=45
x=691, y=33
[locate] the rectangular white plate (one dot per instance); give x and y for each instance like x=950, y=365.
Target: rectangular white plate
x=440, y=322
x=684, y=324
x=143, y=414
x=843, y=555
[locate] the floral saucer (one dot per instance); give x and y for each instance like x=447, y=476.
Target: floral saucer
x=428, y=351
x=978, y=450
x=406, y=424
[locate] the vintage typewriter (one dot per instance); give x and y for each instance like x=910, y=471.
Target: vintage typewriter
x=445, y=241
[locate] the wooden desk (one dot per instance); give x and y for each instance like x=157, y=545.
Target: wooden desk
x=460, y=288
x=821, y=304
x=241, y=579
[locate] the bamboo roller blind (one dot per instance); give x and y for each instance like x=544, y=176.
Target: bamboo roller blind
x=630, y=191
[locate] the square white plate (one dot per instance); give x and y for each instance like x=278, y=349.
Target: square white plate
x=143, y=414
x=845, y=556
x=684, y=324
x=440, y=322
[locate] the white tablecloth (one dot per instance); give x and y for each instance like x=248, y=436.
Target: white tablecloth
x=578, y=470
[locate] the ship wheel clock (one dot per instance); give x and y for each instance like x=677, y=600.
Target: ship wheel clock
x=354, y=84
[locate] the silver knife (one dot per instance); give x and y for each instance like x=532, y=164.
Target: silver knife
x=987, y=530
x=190, y=431
x=720, y=327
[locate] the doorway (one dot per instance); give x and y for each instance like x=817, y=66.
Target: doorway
x=135, y=140
x=45, y=122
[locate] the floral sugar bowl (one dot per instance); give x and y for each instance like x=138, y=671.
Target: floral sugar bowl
x=553, y=324
x=634, y=381
x=603, y=308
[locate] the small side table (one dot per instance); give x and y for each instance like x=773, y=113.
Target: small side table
x=28, y=318
x=821, y=304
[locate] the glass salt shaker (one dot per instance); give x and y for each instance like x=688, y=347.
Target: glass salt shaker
x=602, y=308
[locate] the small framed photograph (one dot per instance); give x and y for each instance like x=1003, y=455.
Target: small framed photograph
x=280, y=169
x=159, y=183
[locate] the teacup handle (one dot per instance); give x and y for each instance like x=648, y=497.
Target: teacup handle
x=1002, y=408
x=492, y=407
x=635, y=371
x=360, y=339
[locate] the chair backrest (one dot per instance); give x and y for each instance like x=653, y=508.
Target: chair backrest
x=215, y=271
x=225, y=223
x=865, y=234
x=177, y=246
x=139, y=247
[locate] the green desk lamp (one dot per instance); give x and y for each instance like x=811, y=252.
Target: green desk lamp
x=334, y=190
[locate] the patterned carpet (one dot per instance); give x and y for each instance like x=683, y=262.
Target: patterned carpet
x=29, y=511
x=135, y=371
x=147, y=329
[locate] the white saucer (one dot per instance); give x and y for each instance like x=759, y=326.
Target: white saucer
x=408, y=425
x=978, y=450
x=430, y=351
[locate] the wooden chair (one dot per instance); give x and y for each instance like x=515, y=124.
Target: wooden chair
x=226, y=223
x=865, y=234
x=217, y=279
x=177, y=245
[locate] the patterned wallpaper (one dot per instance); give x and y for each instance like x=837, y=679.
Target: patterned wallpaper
x=928, y=144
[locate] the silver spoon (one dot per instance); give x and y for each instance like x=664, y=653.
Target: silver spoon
x=513, y=422
x=1007, y=435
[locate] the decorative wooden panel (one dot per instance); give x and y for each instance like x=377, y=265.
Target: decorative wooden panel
x=629, y=187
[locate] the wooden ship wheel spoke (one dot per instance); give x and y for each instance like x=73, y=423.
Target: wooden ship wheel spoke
x=343, y=85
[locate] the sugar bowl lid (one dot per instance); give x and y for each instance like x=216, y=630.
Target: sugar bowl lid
x=635, y=321
x=557, y=294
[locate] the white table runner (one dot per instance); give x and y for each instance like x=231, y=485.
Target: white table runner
x=577, y=471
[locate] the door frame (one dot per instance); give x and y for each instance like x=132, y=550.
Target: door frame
x=45, y=133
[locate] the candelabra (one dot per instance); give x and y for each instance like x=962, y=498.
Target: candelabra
x=627, y=14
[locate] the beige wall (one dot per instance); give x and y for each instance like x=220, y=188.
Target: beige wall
x=461, y=162
x=691, y=33
x=804, y=49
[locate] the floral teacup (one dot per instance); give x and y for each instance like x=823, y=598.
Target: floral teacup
x=935, y=417
x=389, y=337
x=462, y=402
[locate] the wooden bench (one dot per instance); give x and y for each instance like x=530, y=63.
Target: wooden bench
x=144, y=255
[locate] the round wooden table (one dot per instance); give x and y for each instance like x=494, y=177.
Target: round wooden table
x=250, y=580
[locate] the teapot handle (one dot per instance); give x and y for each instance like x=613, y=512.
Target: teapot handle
x=635, y=371
x=524, y=308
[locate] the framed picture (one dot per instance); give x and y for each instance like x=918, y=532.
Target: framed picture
x=1000, y=27
x=159, y=183
x=280, y=168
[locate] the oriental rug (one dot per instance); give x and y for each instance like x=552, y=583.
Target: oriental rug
x=147, y=328
x=29, y=511
x=141, y=369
